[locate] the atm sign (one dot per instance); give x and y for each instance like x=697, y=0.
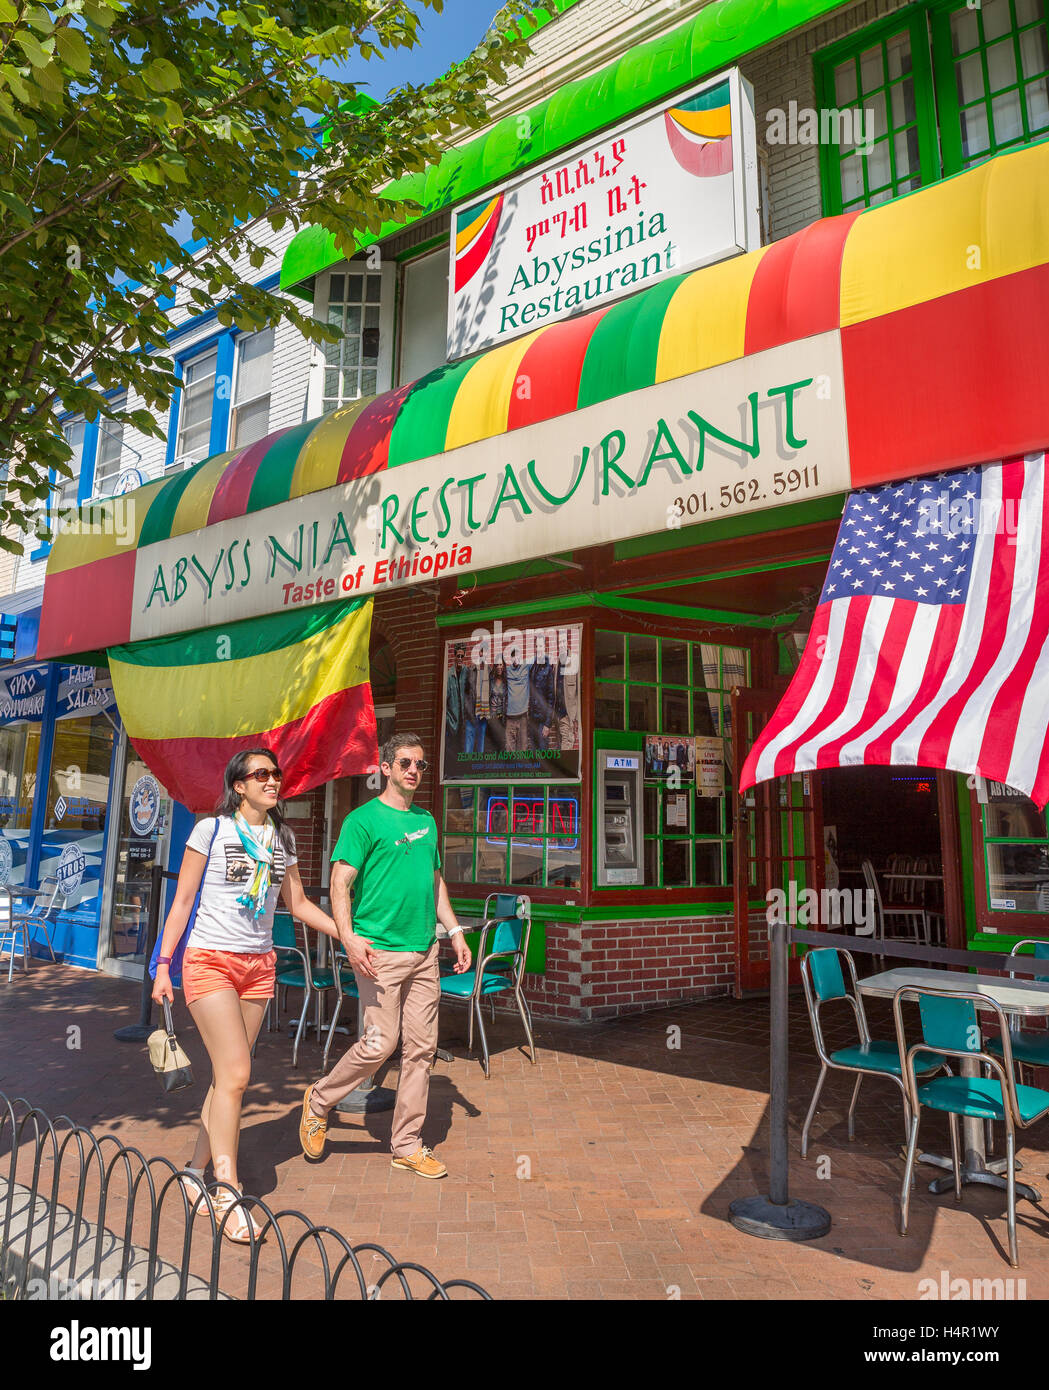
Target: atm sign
x=528, y=818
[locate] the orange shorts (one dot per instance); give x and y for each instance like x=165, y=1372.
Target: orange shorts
x=204, y=972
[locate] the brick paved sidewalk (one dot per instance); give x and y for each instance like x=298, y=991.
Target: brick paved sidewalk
x=606, y=1171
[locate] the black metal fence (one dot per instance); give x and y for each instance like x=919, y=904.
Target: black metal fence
x=56, y=1241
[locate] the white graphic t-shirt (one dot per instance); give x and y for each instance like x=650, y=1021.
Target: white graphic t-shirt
x=223, y=924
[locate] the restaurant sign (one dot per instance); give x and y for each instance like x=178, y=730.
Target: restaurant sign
x=758, y=432
x=82, y=690
x=674, y=188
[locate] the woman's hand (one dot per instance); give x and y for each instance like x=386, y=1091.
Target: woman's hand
x=162, y=987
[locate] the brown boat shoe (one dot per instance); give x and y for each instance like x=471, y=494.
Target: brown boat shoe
x=424, y=1162
x=313, y=1129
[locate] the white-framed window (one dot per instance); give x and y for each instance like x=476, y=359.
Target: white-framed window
x=110, y=450
x=195, y=409
x=66, y=489
x=359, y=302
x=424, y=316
x=250, y=415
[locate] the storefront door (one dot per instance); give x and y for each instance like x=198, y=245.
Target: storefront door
x=777, y=831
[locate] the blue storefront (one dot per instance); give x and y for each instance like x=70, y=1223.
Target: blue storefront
x=76, y=805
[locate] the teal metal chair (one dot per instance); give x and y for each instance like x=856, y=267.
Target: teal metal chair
x=498, y=968
x=296, y=969
x=824, y=982
x=949, y=1025
x=1030, y=1047
x=347, y=990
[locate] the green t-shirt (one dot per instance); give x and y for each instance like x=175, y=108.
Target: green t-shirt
x=395, y=854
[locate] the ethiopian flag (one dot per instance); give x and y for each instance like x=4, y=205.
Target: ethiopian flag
x=294, y=682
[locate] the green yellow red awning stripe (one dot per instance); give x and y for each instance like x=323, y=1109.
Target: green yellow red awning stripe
x=940, y=300
x=296, y=683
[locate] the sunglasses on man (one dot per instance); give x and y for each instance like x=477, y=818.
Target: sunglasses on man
x=405, y=763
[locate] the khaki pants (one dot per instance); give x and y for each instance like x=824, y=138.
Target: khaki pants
x=402, y=1002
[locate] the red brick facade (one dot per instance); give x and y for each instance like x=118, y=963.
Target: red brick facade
x=407, y=620
x=607, y=969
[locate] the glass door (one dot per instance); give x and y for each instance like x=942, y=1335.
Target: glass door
x=778, y=826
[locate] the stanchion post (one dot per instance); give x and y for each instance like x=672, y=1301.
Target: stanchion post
x=140, y=1031
x=777, y=1216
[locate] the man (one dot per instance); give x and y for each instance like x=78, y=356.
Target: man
x=517, y=701
x=454, y=722
x=541, y=689
x=566, y=701
x=388, y=850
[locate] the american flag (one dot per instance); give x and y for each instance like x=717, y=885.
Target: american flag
x=930, y=643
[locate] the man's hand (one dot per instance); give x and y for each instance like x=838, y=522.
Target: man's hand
x=361, y=956
x=463, y=956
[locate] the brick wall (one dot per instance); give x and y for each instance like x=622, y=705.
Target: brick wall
x=407, y=619
x=610, y=969
x=309, y=836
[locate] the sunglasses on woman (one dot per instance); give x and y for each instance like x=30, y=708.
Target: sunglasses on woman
x=263, y=774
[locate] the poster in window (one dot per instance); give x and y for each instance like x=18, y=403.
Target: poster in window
x=710, y=766
x=669, y=755
x=512, y=705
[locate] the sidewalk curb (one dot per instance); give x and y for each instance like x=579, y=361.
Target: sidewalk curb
x=69, y=1278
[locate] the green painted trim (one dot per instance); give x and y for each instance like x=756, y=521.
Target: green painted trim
x=572, y=916
x=514, y=610
x=621, y=603
x=523, y=569
x=724, y=574
x=966, y=847
x=711, y=40
x=750, y=524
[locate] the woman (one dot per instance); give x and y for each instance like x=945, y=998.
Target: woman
x=240, y=858
x=497, y=705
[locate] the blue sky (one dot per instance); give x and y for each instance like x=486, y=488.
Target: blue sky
x=446, y=38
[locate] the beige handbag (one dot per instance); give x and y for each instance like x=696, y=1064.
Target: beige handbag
x=169, y=1061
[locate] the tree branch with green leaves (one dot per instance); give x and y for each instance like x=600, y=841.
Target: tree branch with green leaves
x=118, y=119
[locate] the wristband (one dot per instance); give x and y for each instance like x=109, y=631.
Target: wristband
x=454, y=931
x=163, y=960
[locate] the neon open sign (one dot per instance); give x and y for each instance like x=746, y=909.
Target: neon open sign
x=532, y=817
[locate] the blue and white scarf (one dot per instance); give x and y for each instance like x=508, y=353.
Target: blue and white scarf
x=259, y=847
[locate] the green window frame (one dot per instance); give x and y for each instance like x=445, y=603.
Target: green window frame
x=1003, y=45
x=984, y=68
x=884, y=69
x=526, y=834
x=1016, y=858
x=675, y=686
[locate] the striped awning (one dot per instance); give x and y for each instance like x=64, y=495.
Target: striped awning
x=936, y=303
x=647, y=72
